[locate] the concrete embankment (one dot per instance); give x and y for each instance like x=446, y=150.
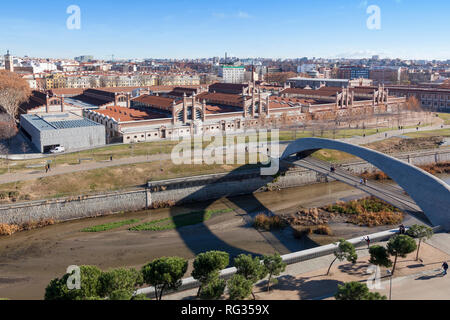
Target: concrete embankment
x=185, y=190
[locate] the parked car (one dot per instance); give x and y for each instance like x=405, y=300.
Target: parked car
x=58, y=150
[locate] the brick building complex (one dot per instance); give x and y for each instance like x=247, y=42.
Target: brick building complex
x=151, y=117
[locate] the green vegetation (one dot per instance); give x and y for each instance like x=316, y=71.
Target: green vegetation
x=206, y=270
x=344, y=251
x=379, y=256
x=356, y=291
x=89, y=278
x=183, y=220
x=275, y=266
x=445, y=117
x=431, y=133
x=213, y=289
x=400, y=246
x=420, y=232
x=251, y=269
x=367, y=212
x=119, y=284
x=164, y=274
x=239, y=288
x=264, y=222
x=110, y=226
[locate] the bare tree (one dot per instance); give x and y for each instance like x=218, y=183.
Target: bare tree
x=8, y=128
x=4, y=151
x=14, y=90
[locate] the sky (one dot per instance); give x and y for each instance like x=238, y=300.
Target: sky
x=138, y=29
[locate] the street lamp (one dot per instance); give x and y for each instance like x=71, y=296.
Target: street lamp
x=389, y=272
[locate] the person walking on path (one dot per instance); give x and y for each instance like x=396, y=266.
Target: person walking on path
x=402, y=229
x=367, y=239
x=445, y=267
x=46, y=168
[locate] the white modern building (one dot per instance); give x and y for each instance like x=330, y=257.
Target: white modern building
x=232, y=74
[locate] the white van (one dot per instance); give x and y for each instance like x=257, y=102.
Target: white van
x=58, y=150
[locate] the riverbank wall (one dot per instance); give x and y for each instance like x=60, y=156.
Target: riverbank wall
x=185, y=190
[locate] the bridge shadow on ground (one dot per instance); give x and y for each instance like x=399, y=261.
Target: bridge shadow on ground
x=282, y=241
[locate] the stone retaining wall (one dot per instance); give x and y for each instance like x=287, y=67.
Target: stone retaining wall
x=200, y=188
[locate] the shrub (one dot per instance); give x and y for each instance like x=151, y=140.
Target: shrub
x=323, y=230
x=300, y=233
x=265, y=222
x=356, y=291
x=8, y=229
x=239, y=288
x=57, y=289
x=213, y=290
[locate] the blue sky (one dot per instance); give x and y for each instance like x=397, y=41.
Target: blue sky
x=247, y=28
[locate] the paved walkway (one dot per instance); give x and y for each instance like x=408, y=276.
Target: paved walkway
x=426, y=285
x=64, y=169
x=390, y=193
x=389, y=134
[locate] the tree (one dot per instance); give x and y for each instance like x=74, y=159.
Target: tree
x=8, y=128
x=420, y=232
x=274, y=266
x=250, y=268
x=413, y=104
x=356, y=291
x=239, y=288
x=213, y=289
x=164, y=273
x=345, y=251
x=400, y=245
x=123, y=280
x=89, y=288
x=208, y=265
x=14, y=90
x=379, y=256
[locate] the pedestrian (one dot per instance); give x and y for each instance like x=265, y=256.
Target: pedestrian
x=385, y=135
x=111, y=158
x=367, y=239
x=445, y=267
x=365, y=181
x=361, y=182
x=49, y=168
x=402, y=229
x=46, y=168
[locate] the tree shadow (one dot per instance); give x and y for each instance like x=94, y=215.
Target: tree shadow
x=306, y=288
x=357, y=269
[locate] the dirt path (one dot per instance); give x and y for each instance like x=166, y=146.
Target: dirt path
x=60, y=170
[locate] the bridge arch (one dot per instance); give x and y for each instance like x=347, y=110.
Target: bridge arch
x=431, y=194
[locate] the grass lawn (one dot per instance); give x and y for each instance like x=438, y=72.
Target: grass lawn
x=161, y=147
x=109, y=179
x=432, y=133
x=445, y=117
x=110, y=226
x=183, y=220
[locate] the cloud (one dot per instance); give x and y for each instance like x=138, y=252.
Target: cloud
x=363, y=4
x=219, y=15
x=238, y=15
x=360, y=54
x=243, y=15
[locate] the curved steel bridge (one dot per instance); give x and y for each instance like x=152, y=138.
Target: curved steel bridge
x=427, y=193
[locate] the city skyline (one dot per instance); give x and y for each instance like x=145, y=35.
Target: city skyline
x=182, y=30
